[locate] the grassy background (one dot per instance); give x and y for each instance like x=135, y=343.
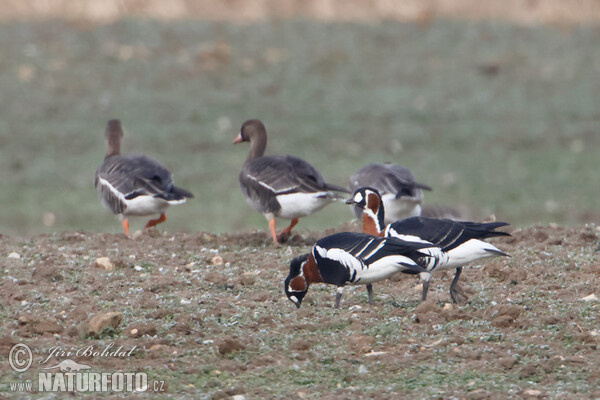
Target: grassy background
x=496, y=117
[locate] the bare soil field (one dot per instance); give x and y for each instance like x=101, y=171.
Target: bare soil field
x=206, y=315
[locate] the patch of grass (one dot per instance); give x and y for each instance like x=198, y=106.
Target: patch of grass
x=519, y=142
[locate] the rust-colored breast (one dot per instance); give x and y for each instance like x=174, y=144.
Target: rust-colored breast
x=311, y=270
x=370, y=226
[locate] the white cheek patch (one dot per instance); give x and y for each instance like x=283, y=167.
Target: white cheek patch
x=358, y=198
x=294, y=299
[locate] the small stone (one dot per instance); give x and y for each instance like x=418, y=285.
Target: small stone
x=362, y=369
x=533, y=393
x=137, y=268
x=238, y=397
x=104, y=263
x=216, y=260
x=14, y=255
x=448, y=306
x=141, y=329
x=136, y=235
x=591, y=297
x=101, y=321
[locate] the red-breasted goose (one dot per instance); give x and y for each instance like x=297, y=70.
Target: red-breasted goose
x=459, y=242
x=351, y=258
x=280, y=186
x=134, y=184
x=401, y=194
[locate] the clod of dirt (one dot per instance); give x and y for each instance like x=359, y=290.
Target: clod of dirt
x=428, y=312
x=104, y=263
x=300, y=345
x=38, y=326
x=506, y=315
x=101, y=321
x=229, y=346
x=46, y=272
x=528, y=371
x=138, y=330
x=507, y=362
x=478, y=394
x=361, y=343
x=503, y=321
x=80, y=313
x=247, y=279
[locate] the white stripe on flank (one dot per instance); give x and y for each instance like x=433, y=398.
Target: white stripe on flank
x=409, y=238
x=358, y=253
x=110, y=187
x=374, y=251
x=344, y=258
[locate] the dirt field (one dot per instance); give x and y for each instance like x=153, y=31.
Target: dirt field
x=207, y=315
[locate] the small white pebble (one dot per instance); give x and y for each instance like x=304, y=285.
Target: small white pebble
x=238, y=397
x=185, y=301
x=355, y=307
x=208, y=341
x=362, y=369
x=14, y=255
x=591, y=297
x=137, y=268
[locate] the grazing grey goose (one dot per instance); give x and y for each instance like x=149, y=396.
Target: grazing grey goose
x=134, y=184
x=458, y=242
x=401, y=195
x=280, y=186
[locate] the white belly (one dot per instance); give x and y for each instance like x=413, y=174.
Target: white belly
x=468, y=252
x=401, y=208
x=145, y=205
x=383, y=269
x=298, y=205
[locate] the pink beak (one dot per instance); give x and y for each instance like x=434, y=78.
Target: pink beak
x=238, y=139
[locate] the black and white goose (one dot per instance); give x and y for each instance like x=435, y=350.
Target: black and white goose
x=401, y=194
x=459, y=242
x=134, y=184
x=351, y=258
x=280, y=186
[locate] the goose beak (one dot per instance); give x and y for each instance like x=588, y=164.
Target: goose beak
x=350, y=201
x=238, y=139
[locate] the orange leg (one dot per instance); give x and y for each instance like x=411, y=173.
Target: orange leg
x=288, y=230
x=153, y=222
x=272, y=230
x=126, y=226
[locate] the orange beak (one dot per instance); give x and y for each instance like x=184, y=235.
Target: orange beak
x=238, y=139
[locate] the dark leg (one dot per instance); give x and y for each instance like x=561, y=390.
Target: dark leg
x=370, y=292
x=338, y=296
x=425, y=277
x=454, y=292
